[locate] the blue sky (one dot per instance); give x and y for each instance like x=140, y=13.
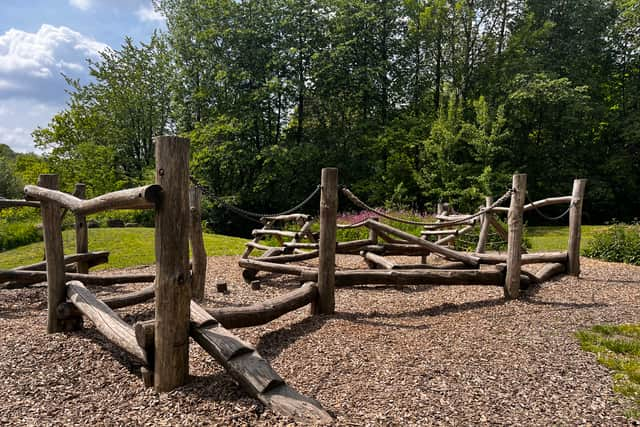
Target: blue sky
x=40, y=39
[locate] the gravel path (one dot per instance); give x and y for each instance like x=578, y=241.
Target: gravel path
x=412, y=356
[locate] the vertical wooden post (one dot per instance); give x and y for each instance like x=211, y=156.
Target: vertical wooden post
x=440, y=208
x=514, y=251
x=54, y=253
x=173, y=287
x=575, y=225
x=484, y=227
x=199, y=254
x=325, y=303
x=373, y=234
x=82, y=235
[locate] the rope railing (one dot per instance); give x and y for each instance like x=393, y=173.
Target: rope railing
x=252, y=216
x=427, y=225
x=543, y=215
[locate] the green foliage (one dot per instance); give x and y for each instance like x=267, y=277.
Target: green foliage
x=18, y=233
x=618, y=243
x=618, y=348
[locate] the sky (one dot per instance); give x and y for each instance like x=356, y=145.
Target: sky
x=42, y=39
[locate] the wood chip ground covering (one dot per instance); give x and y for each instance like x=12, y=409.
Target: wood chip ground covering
x=430, y=355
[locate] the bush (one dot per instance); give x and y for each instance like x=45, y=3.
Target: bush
x=618, y=243
x=15, y=234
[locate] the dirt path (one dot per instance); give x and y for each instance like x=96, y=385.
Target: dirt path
x=416, y=356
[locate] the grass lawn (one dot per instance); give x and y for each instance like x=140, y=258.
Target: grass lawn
x=127, y=247
x=556, y=238
x=618, y=348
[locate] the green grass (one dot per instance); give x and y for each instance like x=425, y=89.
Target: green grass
x=618, y=348
x=127, y=247
x=556, y=238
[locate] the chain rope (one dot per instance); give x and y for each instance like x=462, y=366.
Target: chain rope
x=549, y=218
x=245, y=213
x=427, y=225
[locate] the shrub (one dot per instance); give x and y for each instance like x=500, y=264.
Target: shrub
x=618, y=243
x=15, y=234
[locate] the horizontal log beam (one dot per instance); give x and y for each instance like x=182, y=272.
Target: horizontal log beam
x=304, y=273
x=444, y=266
x=135, y=198
x=9, y=203
x=419, y=277
x=397, y=249
x=91, y=258
x=460, y=232
x=534, y=258
x=286, y=218
x=66, y=310
x=539, y=203
x=281, y=259
x=268, y=232
x=443, y=232
x=105, y=319
x=26, y=276
x=449, y=253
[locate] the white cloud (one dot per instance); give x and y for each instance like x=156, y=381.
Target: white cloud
x=32, y=88
x=81, y=4
x=146, y=13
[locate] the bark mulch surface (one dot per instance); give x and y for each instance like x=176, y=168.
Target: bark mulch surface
x=429, y=355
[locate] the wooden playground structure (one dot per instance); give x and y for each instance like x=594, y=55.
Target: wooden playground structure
x=162, y=344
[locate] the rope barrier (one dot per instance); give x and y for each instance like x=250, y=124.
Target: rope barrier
x=245, y=213
x=549, y=218
x=426, y=225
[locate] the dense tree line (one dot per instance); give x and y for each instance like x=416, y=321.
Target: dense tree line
x=416, y=101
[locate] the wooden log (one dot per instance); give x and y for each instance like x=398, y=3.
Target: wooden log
x=483, y=237
x=549, y=271
x=173, y=287
x=249, y=274
x=504, y=235
x=26, y=276
x=105, y=319
x=539, y=204
x=252, y=372
x=378, y=260
x=514, y=249
x=199, y=259
x=444, y=266
x=66, y=310
x=135, y=198
x=281, y=259
x=452, y=237
x=258, y=246
x=271, y=232
x=305, y=273
x=450, y=218
x=419, y=277
x=534, y=258
x=432, y=247
x=397, y=249
x=575, y=226
x=10, y=203
x=54, y=252
x=443, y=232
x=325, y=303
x=353, y=246
x=91, y=258
x=82, y=232
x=287, y=218
x=302, y=245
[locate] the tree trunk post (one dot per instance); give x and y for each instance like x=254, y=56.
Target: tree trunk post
x=325, y=303
x=484, y=227
x=514, y=251
x=82, y=234
x=54, y=254
x=575, y=224
x=173, y=287
x=199, y=262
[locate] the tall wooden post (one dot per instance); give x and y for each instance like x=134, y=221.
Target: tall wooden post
x=199, y=260
x=173, y=287
x=575, y=225
x=325, y=304
x=54, y=253
x=514, y=241
x=484, y=227
x=82, y=235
